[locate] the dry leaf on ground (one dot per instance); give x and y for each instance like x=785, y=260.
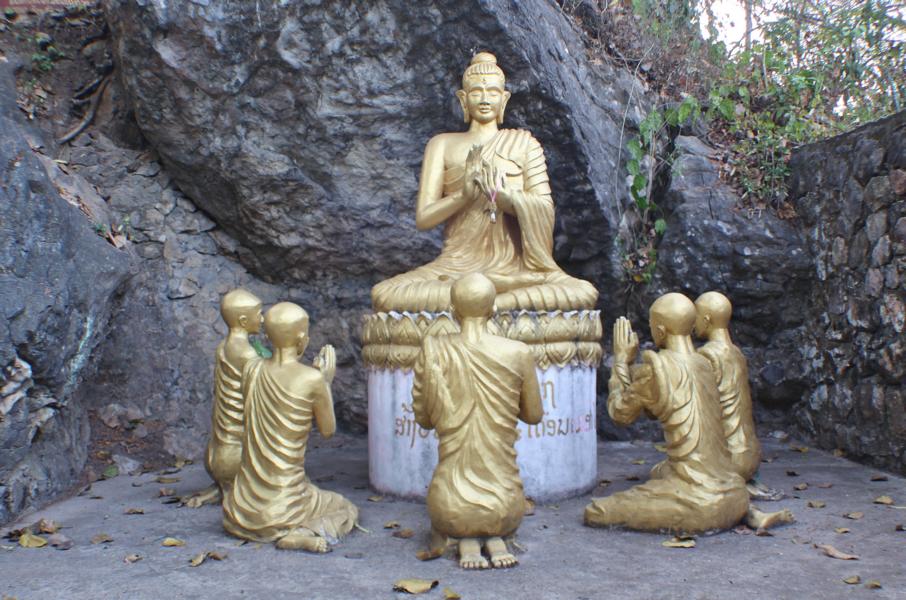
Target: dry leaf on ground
x=632, y=478
x=855, y=516
x=879, y=477
x=834, y=553
x=164, y=491
x=899, y=527
x=800, y=487
x=853, y=580
x=132, y=558
x=679, y=542
x=30, y=540
x=825, y=486
x=135, y=511
x=742, y=530
x=874, y=584
x=451, y=595
x=660, y=447
x=529, y=507
x=762, y=532
x=375, y=498
x=801, y=449
x=885, y=500
x=841, y=529
x=172, y=542
x=403, y=533
x=197, y=559
x=415, y=586
x=429, y=554
x=639, y=461
x=217, y=555
x=47, y=526
x=166, y=480
x=792, y=473
x=816, y=504
x=101, y=538
x=604, y=482
x=59, y=541
x=391, y=525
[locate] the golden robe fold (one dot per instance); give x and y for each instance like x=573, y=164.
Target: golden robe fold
x=224, y=450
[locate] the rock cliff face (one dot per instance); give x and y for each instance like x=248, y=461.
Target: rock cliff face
x=58, y=279
x=851, y=194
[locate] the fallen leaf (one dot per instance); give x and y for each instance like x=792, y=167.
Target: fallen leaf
x=30, y=540
x=429, y=554
x=792, y=473
x=135, y=511
x=529, y=507
x=879, y=477
x=132, y=558
x=169, y=471
x=763, y=532
x=899, y=527
x=136, y=484
x=660, y=448
x=101, y=538
x=451, y=595
x=885, y=500
x=853, y=580
x=47, y=526
x=800, y=487
x=834, y=553
x=679, y=542
x=360, y=528
x=59, y=541
x=742, y=530
x=166, y=480
x=378, y=499
x=110, y=472
x=415, y=586
x=801, y=449
x=874, y=584
x=197, y=559
x=841, y=529
x=604, y=482
x=838, y=452
x=172, y=541
x=391, y=525
x=171, y=500
x=162, y=492
x=816, y=504
x=95, y=497
x=855, y=516
x=825, y=486
x=181, y=462
x=632, y=478
x=639, y=461
x=403, y=533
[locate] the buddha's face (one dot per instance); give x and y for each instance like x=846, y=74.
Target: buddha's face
x=484, y=98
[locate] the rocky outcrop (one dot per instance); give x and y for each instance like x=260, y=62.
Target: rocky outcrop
x=58, y=281
x=850, y=192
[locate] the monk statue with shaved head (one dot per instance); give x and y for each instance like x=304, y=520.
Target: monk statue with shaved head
x=697, y=488
x=272, y=499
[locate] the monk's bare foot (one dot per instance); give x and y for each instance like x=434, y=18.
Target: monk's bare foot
x=209, y=495
x=759, y=491
x=470, y=554
x=757, y=519
x=303, y=540
x=500, y=554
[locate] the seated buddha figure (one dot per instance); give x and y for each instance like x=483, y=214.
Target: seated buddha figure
x=490, y=189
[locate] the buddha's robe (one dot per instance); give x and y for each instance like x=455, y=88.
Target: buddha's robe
x=514, y=245
x=732, y=374
x=696, y=488
x=271, y=495
x=224, y=450
x=470, y=392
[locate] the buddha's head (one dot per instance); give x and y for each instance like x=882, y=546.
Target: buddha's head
x=713, y=312
x=473, y=297
x=286, y=325
x=241, y=309
x=671, y=314
x=483, y=95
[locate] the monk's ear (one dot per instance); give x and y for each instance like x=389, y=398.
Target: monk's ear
x=461, y=94
x=243, y=321
x=506, y=98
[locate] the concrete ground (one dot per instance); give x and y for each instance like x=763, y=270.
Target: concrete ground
x=562, y=559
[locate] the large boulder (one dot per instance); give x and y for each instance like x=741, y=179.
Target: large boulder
x=58, y=281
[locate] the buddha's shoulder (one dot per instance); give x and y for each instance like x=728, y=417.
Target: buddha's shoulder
x=507, y=346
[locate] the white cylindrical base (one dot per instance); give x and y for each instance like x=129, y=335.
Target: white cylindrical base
x=557, y=458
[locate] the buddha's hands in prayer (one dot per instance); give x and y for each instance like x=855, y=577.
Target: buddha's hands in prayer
x=625, y=342
x=493, y=185
x=472, y=175
x=326, y=362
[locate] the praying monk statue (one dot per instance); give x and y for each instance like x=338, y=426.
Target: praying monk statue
x=241, y=311
x=272, y=499
x=697, y=488
x=490, y=188
x=473, y=387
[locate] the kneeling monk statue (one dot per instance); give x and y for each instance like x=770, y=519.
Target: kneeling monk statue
x=272, y=499
x=473, y=387
x=490, y=188
x=697, y=489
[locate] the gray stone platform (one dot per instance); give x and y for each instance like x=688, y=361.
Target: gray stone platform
x=563, y=559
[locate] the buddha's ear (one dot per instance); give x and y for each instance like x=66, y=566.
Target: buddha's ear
x=461, y=94
x=506, y=98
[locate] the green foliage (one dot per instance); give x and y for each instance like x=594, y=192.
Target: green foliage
x=260, y=348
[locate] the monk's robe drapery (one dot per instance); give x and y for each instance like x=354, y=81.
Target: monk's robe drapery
x=271, y=494
x=472, y=399
x=696, y=489
x=732, y=374
x=514, y=245
x=225, y=445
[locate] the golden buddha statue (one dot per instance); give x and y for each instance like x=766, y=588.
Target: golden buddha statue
x=490, y=188
x=473, y=387
x=732, y=374
x=241, y=311
x=272, y=499
x=697, y=488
